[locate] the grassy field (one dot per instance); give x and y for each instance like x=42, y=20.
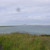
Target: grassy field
x=21, y=41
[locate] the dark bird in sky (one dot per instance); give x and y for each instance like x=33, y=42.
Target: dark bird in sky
x=18, y=9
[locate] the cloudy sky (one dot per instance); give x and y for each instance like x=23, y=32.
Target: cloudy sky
x=32, y=12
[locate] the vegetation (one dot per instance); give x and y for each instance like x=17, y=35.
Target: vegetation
x=24, y=41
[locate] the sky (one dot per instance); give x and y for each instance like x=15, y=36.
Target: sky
x=32, y=12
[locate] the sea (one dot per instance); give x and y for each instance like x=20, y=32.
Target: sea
x=31, y=29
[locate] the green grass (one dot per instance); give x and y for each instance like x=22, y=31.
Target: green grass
x=21, y=41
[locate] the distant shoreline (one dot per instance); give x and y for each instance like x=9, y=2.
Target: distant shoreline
x=23, y=25
x=7, y=26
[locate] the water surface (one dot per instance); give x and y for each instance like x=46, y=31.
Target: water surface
x=32, y=29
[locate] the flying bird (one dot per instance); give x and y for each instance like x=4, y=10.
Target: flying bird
x=18, y=9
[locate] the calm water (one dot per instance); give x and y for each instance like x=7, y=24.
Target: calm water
x=26, y=28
